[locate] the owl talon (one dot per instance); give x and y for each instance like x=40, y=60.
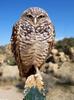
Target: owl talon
x=34, y=80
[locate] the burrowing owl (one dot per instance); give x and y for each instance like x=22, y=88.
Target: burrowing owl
x=32, y=40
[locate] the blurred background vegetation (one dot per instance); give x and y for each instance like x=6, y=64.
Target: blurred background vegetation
x=65, y=44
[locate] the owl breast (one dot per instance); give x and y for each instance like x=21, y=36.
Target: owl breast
x=33, y=44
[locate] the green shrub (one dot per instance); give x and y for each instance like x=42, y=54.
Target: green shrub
x=65, y=44
x=2, y=49
x=11, y=61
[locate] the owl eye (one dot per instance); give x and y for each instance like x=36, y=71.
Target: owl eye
x=29, y=16
x=41, y=16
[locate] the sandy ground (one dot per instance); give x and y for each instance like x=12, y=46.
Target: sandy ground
x=10, y=93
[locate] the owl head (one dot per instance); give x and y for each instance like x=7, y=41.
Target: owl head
x=35, y=15
x=36, y=20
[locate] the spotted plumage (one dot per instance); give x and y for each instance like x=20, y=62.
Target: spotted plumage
x=32, y=39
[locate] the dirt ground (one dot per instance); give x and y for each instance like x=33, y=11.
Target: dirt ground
x=10, y=93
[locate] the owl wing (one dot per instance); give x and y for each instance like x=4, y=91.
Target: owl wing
x=51, y=33
x=15, y=42
x=16, y=39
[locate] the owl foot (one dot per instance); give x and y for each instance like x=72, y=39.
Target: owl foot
x=35, y=81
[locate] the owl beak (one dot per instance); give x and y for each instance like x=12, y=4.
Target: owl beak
x=35, y=20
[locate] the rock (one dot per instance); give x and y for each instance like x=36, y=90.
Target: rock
x=53, y=67
x=54, y=51
x=72, y=54
x=44, y=68
x=53, y=59
x=50, y=58
x=49, y=67
x=53, y=56
x=56, y=59
x=67, y=57
x=62, y=57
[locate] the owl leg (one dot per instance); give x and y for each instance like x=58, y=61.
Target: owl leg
x=38, y=73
